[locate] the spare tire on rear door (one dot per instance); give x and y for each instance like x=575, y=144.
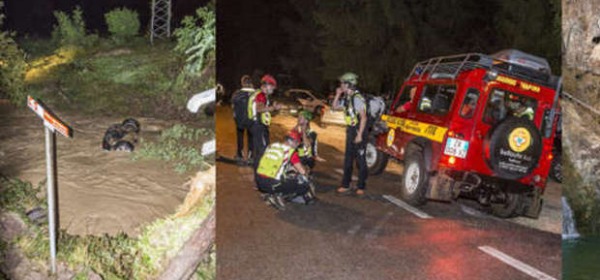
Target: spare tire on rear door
x=513, y=148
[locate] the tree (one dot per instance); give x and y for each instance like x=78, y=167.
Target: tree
x=12, y=66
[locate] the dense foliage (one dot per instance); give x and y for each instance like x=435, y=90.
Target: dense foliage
x=12, y=66
x=196, y=38
x=70, y=29
x=123, y=24
x=381, y=40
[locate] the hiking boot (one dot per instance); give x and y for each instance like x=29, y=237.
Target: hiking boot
x=309, y=198
x=276, y=201
x=360, y=192
x=238, y=158
x=343, y=191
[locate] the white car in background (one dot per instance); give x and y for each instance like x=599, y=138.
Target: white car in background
x=294, y=100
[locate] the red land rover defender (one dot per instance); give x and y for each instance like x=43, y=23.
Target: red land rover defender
x=479, y=126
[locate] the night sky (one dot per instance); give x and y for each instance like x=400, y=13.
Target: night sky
x=250, y=38
x=35, y=17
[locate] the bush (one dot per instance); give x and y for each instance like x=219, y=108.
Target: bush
x=196, y=38
x=70, y=29
x=12, y=67
x=122, y=24
x=178, y=145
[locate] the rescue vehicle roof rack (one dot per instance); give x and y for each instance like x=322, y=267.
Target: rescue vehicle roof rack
x=449, y=67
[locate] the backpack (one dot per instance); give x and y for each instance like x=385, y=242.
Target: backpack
x=375, y=108
x=240, y=108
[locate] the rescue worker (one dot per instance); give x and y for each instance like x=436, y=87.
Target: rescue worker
x=308, y=147
x=272, y=168
x=408, y=104
x=241, y=127
x=356, y=132
x=259, y=112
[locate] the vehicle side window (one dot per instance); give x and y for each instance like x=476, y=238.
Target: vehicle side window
x=437, y=99
x=404, y=100
x=305, y=95
x=502, y=104
x=469, y=104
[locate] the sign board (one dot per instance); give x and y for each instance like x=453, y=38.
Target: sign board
x=50, y=120
x=52, y=124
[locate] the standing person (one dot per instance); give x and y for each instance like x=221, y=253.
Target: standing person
x=355, y=114
x=259, y=112
x=239, y=100
x=271, y=172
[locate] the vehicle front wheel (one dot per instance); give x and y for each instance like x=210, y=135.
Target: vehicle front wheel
x=415, y=179
x=376, y=159
x=509, y=208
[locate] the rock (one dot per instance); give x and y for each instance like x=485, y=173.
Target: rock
x=11, y=226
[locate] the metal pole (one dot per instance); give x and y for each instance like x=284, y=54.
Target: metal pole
x=50, y=180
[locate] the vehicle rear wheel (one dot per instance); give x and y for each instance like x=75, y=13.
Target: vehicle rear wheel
x=415, y=179
x=376, y=159
x=509, y=208
x=556, y=169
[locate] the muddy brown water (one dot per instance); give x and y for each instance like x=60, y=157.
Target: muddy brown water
x=98, y=192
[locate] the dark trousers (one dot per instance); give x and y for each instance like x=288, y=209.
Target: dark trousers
x=260, y=141
x=308, y=161
x=284, y=187
x=240, y=140
x=355, y=152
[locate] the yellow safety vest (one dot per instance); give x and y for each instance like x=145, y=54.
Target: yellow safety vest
x=275, y=161
x=305, y=149
x=350, y=114
x=265, y=117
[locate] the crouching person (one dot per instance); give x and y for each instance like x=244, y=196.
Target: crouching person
x=271, y=173
x=307, y=150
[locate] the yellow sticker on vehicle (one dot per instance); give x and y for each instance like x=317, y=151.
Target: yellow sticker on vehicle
x=523, y=85
x=390, y=137
x=519, y=139
x=429, y=131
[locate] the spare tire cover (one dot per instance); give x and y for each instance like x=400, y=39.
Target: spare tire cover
x=513, y=148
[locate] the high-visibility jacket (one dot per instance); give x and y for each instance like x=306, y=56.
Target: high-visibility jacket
x=350, y=115
x=275, y=161
x=253, y=114
x=305, y=149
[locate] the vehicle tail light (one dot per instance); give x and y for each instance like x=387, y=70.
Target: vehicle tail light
x=550, y=157
x=452, y=160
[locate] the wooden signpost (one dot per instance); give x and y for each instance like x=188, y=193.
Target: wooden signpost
x=51, y=124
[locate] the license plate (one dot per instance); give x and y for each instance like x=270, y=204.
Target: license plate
x=456, y=147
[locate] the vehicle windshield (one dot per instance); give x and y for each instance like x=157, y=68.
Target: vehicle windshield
x=503, y=104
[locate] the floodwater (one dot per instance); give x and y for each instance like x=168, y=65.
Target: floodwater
x=98, y=192
x=581, y=257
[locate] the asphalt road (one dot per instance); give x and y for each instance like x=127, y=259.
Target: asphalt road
x=345, y=237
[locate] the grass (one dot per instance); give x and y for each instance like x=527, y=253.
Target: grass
x=131, y=79
x=179, y=145
x=111, y=257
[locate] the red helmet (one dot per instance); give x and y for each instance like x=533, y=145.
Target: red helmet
x=294, y=135
x=268, y=79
